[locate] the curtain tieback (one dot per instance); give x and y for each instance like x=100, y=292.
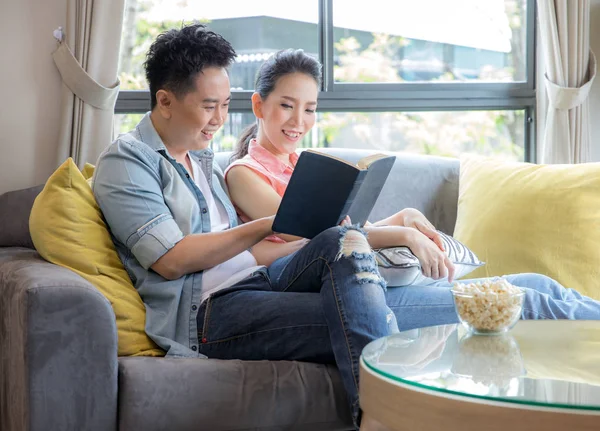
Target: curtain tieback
x=565, y=98
x=80, y=83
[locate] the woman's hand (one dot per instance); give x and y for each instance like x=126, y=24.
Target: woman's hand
x=415, y=219
x=434, y=262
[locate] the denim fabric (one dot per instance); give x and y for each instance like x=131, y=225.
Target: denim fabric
x=150, y=203
x=311, y=307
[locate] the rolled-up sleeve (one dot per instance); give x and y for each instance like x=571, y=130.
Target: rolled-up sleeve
x=128, y=189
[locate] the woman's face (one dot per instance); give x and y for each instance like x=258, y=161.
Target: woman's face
x=287, y=114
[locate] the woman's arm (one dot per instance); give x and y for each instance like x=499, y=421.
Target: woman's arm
x=411, y=217
x=253, y=196
x=434, y=262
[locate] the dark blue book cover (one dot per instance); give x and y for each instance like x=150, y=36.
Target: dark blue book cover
x=324, y=189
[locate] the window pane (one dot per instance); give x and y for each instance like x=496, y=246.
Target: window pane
x=449, y=133
x=429, y=40
x=256, y=29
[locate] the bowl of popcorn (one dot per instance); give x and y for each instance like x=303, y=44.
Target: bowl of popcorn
x=488, y=307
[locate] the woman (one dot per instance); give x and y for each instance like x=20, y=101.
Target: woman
x=284, y=104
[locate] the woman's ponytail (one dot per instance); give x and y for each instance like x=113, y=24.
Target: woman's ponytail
x=241, y=148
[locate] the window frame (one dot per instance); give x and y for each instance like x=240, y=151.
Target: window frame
x=396, y=97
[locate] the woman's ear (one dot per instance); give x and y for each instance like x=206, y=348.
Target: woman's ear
x=164, y=102
x=257, y=105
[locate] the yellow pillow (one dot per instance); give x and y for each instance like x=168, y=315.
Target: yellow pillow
x=67, y=229
x=521, y=217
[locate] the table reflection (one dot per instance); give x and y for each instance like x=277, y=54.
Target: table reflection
x=543, y=362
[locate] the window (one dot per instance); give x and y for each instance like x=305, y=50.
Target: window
x=442, y=133
x=429, y=41
x=434, y=76
x=255, y=29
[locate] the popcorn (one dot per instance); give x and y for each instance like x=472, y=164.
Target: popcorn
x=488, y=306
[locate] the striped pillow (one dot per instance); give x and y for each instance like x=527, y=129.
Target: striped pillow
x=400, y=267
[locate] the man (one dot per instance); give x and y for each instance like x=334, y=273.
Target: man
x=202, y=278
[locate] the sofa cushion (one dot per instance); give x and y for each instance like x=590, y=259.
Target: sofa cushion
x=400, y=267
x=211, y=394
x=521, y=217
x=67, y=229
x=14, y=217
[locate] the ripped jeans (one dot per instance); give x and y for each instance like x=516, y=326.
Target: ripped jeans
x=325, y=302
x=322, y=304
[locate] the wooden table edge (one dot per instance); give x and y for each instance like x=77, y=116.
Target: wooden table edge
x=391, y=405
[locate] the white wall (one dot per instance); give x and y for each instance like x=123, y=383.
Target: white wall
x=29, y=90
x=595, y=92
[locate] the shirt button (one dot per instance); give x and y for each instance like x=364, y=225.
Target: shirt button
x=194, y=307
x=187, y=175
x=204, y=210
x=194, y=348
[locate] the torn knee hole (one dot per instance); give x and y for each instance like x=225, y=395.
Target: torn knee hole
x=368, y=276
x=353, y=241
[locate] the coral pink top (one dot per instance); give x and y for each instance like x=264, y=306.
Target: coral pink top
x=272, y=170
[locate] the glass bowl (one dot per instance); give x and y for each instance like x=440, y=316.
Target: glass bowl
x=488, y=312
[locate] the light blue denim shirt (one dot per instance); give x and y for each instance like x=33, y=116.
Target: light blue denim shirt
x=150, y=203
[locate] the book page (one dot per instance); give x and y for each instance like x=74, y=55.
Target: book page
x=365, y=162
x=339, y=159
x=362, y=164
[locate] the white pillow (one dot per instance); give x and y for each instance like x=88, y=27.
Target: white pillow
x=400, y=267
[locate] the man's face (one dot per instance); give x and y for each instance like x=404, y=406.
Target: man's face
x=199, y=114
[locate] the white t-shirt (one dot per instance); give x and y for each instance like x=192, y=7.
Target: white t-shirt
x=238, y=267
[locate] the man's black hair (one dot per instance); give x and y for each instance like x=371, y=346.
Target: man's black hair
x=177, y=56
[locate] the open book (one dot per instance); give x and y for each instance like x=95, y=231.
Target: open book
x=324, y=189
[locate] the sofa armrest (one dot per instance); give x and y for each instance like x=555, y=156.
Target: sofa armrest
x=58, y=360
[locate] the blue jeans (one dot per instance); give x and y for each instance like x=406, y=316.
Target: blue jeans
x=318, y=306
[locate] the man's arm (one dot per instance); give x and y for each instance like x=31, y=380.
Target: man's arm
x=128, y=188
x=197, y=252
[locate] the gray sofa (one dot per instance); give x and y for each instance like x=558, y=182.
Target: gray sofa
x=59, y=368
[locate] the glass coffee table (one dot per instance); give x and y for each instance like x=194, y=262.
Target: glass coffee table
x=542, y=375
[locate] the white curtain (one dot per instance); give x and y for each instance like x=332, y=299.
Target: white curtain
x=570, y=70
x=87, y=59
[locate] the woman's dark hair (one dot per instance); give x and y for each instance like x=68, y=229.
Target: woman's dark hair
x=177, y=56
x=282, y=63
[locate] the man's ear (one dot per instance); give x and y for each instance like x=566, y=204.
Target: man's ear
x=257, y=105
x=164, y=102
